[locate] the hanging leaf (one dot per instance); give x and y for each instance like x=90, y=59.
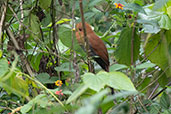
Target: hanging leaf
x=35, y=27
x=158, y=51
x=123, y=50
x=120, y=81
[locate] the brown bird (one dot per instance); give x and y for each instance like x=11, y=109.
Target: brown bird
x=96, y=45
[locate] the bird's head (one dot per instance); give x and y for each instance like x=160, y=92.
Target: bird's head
x=79, y=28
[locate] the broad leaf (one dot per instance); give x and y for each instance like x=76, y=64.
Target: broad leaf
x=65, y=67
x=158, y=51
x=123, y=50
x=120, y=81
x=95, y=82
x=44, y=78
x=165, y=22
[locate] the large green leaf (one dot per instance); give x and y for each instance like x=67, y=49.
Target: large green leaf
x=120, y=81
x=3, y=67
x=158, y=51
x=123, y=50
x=116, y=80
x=95, y=82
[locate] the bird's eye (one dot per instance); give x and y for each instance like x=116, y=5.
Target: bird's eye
x=80, y=29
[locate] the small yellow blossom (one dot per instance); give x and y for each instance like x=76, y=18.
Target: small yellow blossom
x=58, y=83
x=119, y=5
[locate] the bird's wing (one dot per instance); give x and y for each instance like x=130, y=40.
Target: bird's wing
x=98, y=47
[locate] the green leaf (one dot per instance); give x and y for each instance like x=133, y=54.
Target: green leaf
x=40, y=100
x=35, y=61
x=44, y=78
x=149, y=20
x=3, y=67
x=45, y=4
x=165, y=22
x=65, y=67
x=159, y=4
x=158, y=51
x=145, y=65
x=14, y=83
x=163, y=81
x=116, y=67
x=165, y=101
x=120, y=81
x=94, y=2
x=95, y=82
x=91, y=104
x=123, y=50
x=35, y=27
x=77, y=93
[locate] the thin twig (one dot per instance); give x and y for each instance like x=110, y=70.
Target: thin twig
x=4, y=7
x=85, y=37
x=155, y=79
x=142, y=104
x=153, y=91
x=22, y=15
x=77, y=74
x=169, y=84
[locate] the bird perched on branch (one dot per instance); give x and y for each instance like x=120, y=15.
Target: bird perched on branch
x=96, y=46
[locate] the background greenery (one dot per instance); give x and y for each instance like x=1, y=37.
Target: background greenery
x=38, y=47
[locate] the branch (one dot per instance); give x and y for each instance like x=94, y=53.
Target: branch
x=85, y=37
x=4, y=7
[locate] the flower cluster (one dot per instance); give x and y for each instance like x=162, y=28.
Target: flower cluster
x=120, y=6
x=59, y=92
x=59, y=83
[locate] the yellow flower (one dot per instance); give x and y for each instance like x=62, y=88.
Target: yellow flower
x=58, y=83
x=120, y=6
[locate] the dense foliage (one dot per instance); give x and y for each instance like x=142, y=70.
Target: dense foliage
x=43, y=70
